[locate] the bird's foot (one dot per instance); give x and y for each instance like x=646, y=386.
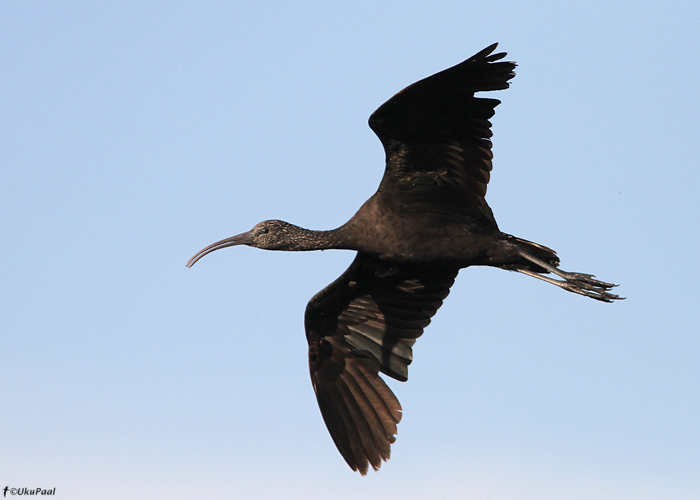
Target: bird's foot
x=585, y=284
x=580, y=283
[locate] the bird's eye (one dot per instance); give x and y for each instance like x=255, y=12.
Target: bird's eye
x=264, y=230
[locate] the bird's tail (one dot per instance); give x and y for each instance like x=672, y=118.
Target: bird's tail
x=541, y=252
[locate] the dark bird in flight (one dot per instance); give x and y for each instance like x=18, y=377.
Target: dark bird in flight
x=427, y=220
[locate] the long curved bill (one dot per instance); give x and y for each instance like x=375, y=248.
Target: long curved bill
x=239, y=239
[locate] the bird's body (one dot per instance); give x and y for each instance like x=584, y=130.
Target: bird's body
x=427, y=220
x=394, y=232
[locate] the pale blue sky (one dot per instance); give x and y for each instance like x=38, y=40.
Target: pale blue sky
x=135, y=133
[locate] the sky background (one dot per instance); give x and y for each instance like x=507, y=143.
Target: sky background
x=135, y=133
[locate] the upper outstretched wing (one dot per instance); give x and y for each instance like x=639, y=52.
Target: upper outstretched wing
x=365, y=322
x=436, y=137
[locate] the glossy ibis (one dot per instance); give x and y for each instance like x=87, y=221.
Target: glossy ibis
x=427, y=220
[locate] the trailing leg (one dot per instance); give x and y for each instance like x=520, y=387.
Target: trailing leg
x=582, y=284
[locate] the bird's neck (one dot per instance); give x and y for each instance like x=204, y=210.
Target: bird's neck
x=309, y=239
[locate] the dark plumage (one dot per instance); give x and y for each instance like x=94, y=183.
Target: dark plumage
x=427, y=220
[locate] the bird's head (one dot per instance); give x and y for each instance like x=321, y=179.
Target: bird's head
x=268, y=235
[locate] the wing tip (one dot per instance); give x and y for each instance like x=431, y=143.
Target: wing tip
x=486, y=54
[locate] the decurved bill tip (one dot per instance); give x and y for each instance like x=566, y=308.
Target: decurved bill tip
x=239, y=239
